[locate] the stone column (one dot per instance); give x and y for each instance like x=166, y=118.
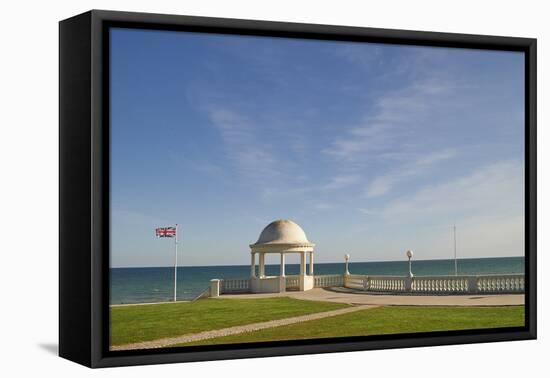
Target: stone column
x=408, y=283
x=472, y=285
x=311, y=263
x=262, y=265
x=252, y=265
x=215, y=288
x=282, y=278
x=302, y=277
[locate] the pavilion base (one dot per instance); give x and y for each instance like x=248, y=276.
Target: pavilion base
x=306, y=283
x=266, y=285
x=278, y=284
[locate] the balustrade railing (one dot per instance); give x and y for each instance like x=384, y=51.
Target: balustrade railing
x=464, y=284
x=234, y=286
x=292, y=282
x=510, y=283
x=501, y=283
x=329, y=280
x=356, y=281
x=386, y=283
x=443, y=284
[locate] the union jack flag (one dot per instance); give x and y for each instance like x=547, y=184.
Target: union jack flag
x=165, y=232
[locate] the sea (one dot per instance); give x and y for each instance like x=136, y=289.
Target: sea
x=147, y=285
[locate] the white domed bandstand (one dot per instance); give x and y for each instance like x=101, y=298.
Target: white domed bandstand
x=281, y=237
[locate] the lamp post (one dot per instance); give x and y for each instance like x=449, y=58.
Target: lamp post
x=346, y=257
x=410, y=255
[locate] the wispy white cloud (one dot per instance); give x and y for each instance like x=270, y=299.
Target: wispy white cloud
x=486, y=205
x=312, y=188
x=395, y=117
x=490, y=236
x=359, y=55
x=323, y=206
x=341, y=181
x=243, y=147
x=366, y=211
x=495, y=189
x=383, y=184
x=277, y=191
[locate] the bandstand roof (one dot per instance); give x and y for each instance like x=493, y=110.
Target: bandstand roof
x=281, y=235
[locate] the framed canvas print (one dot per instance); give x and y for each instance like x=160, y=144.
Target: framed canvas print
x=234, y=188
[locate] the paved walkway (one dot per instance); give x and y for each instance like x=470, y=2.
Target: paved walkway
x=355, y=297
x=160, y=343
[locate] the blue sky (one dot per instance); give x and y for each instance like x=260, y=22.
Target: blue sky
x=373, y=149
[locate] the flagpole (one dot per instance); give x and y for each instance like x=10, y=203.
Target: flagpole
x=176, y=265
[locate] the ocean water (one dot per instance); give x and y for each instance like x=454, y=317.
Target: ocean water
x=143, y=285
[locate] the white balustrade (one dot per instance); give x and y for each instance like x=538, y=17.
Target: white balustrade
x=356, y=281
x=332, y=280
x=441, y=284
x=293, y=282
x=386, y=283
x=235, y=286
x=431, y=285
x=510, y=283
x=503, y=283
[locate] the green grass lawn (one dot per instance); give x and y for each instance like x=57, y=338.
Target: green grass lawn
x=386, y=320
x=138, y=323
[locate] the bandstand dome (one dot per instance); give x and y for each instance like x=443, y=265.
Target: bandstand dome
x=282, y=231
x=282, y=237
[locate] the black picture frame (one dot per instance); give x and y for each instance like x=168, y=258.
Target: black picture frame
x=84, y=186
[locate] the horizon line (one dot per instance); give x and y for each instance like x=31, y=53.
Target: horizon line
x=338, y=262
